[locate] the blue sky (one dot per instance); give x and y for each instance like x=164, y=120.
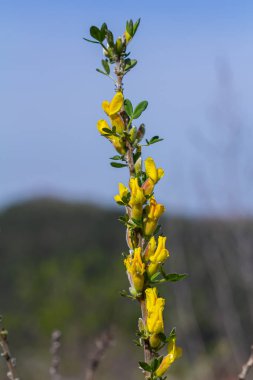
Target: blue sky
x=51, y=95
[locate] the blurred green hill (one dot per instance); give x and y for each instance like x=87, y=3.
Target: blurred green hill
x=61, y=267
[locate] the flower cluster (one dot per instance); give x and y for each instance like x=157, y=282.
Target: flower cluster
x=147, y=246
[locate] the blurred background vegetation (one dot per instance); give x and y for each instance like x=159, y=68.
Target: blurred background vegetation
x=61, y=267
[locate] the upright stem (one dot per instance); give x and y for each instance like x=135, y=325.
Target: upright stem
x=130, y=161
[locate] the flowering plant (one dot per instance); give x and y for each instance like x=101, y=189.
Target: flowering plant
x=147, y=246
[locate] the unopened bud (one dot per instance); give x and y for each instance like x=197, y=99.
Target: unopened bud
x=133, y=133
x=140, y=132
x=119, y=45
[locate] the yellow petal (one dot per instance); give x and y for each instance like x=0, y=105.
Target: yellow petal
x=174, y=353
x=106, y=106
x=116, y=103
x=151, y=169
x=101, y=124
x=160, y=173
x=118, y=123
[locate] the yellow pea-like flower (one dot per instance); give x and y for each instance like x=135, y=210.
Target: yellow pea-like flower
x=155, y=306
x=112, y=108
x=158, y=256
x=101, y=124
x=118, y=123
x=137, y=196
x=135, y=270
x=123, y=193
x=153, y=212
x=174, y=353
x=152, y=171
x=137, y=199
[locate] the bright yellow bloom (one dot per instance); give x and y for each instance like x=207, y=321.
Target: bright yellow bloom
x=135, y=270
x=123, y=193
x=101, y=124
x=155, y=306
x=137, y=198
x=113, y=107
x=151, y=170
x=153, y=212
x=174, y=353
x=112, y=110
x=115, y=140
x=157, y=256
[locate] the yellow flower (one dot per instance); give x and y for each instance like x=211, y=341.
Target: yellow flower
x=155, y=306
x=101, y=124
x=137, y=198
x=157, y=256
x=153, y=212
x=112, y=109
x=115, y=105
x=151, y=170
x=123, y=193
x=135, y=270
x=174, y=353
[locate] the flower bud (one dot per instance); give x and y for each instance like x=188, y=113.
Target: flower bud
x=140, y=132
x=132, y=133
x=148, y=186
x=119, y=45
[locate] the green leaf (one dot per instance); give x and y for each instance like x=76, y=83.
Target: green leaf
x=101, y=72
x=103, y=30
x=107, y=131
x=116, y=158
x=123, y=219
x=145, y=366
x=87, y=39
x=174, y=277
x=137, y=222
x=155, y=275
x=154, y=140
x=162, y=336
x=136, y=25
x=110, y=38
x=95, y=33
x=129, y=27
x=120, y=203
x=106, y=66
x=128, y=107
x=154, y=364
x=136, y=156
x=117, y=165
x=129, y=64
x=139, y=109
